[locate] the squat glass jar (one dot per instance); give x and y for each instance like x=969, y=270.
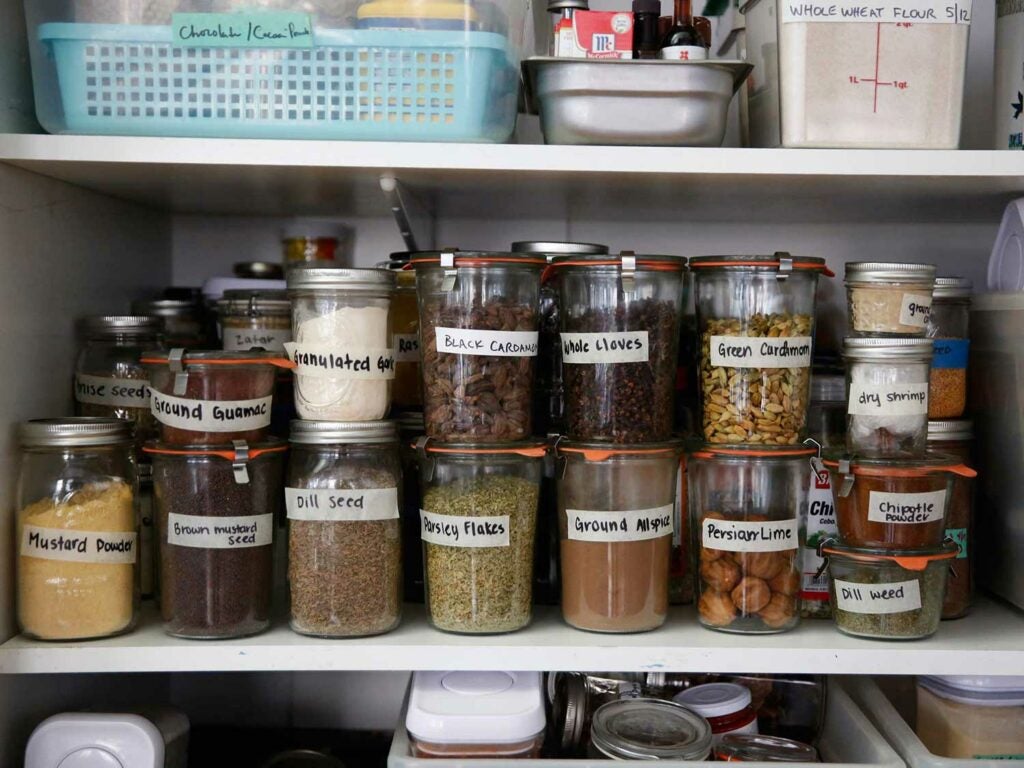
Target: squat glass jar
x=182, y=320
x=887, y=299
x=648, y=729
x=255, y=319
x=77, y=529
x=407, y=392
x=948, y=326
x=755, y=315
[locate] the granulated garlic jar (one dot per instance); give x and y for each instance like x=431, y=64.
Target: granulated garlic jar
x=889, y=299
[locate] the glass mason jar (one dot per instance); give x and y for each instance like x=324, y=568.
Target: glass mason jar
x=756, y=319
x=549, y=402
x=148, y=554
x=620, y=319
x=956, y=438
x=889, y=299
x=314, y=241
x=183, y=321
x=255, y=320
x=110, y=382
x=343, y=497
x=753, y=748
x=949, y=327
x=616, y=513
x=77, y=529
x=745, y=506
x=407, y=393
x=887, y=409
x=478, y=526
x=343, y=348
x=216, y=508
x=479, y=326
x=648, y=729
x=410, y=430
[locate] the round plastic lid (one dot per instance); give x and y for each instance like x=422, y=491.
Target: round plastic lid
x=715, y=699
x=983, y=690
x=477, y=683
x=90, y=758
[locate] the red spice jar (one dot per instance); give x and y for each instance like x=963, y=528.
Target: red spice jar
x=726, y=706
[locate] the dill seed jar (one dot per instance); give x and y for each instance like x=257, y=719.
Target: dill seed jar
x=887, y=299
x=344, y=529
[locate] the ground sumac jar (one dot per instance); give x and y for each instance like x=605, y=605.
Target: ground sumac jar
x=889, y=299
x=479, y=330
x=948, y=326
x=216, y=509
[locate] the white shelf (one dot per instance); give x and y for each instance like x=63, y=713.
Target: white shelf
x=988, y=642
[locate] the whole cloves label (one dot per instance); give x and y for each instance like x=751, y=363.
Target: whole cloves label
x=634, y=525
x=461, y=531
x=612, y=347
x=337, y=504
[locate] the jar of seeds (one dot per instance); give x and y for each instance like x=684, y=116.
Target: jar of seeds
x=889, y=299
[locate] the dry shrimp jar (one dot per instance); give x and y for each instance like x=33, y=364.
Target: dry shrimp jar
x=949, y=326
x=889, y=299
x=756, y=320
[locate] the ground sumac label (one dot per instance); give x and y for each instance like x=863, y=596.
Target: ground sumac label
x=116, y=393
x=612, y=347
x=211, y=415
x=459, y=531
x=336, y=504
x=633, y=525
x=464, y=341
x=111, y=548
x=205, y=532
x=742, y=536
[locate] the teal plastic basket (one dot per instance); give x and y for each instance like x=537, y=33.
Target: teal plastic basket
x=364, y=85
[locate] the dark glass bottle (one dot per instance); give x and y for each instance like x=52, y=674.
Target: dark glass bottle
x=683, y=41
x=646, y=40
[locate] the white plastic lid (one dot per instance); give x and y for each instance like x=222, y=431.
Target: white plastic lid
x=93, y=740
x=213, y=289
x=983, y=690
x=1006, y=265
x=715, y=699
x=475, y=707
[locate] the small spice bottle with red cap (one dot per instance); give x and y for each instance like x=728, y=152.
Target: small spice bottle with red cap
x=727, y=707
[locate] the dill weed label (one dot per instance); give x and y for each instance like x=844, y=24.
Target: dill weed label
x=211, y=415
x=873, y=599
x=634, y=525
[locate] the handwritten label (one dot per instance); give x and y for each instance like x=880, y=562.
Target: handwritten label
x=244, y=339
x=632, y=525
x=906, y=508
x=758, y=352
x=819, y=525
x=884, y=11
x=462, y=341
x=459, y=531
x=407, y=348
x=915, y=310
x=341, y=505
x=116, y=393
x=950, y=353
x=898, y=597
x=110, y=548
x=211, y=415
x=618, y=347
x=743, y=536
x=205, y=532
x=262, y=29
x=321, y=361
x=888, y=399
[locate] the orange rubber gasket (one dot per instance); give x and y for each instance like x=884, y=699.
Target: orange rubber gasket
x=710, y=453
x=908, y=562
x=957, y=469
x=279, y=362
x=532, y=453
x=823, y=268
x=600, y=454
x=255, y=453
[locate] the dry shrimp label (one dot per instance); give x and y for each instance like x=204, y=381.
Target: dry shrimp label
x=111, y=548
x=618, y=347
x=211, y=415
x=204, y=532
x=463, y=341
x=906, y=508
x=634, y=525
x=880, y=11
x=407, y=348
x=330, y=504
x=746, y=352
x=743, y=536
x=244, y=339
x=898, y=597
x=888, y=399
x=915, y=310
x=320, y=361
x=459, y=531
x=117, y=393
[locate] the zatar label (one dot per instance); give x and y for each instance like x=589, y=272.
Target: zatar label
x=117, y=393
x=742, y=536
x=463, y=341
x=906, y=508
x=612, y=347
x=633, y=525
x=107, y=547
x=888, y=399
x=205, y=532
x=320, y=361
x=261, y=29
x=330, y=504
x=459, y=531
x=211, y=415
x=244, y=339
x=881, y=11
x=761, y=352
x=898, y=597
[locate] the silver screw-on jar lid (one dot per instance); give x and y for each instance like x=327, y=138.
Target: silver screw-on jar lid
x=907, y=350
x=303, y=276
x=950, y=429
x=889, y=272
x=255, y=302
x=334, y=432
x=73, y=432
x=953, y=288
x=133, y=325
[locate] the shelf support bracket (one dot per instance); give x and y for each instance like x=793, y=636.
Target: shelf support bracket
x=416, y=221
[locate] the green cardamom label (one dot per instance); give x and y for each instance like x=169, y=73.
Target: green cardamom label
x=263, y=29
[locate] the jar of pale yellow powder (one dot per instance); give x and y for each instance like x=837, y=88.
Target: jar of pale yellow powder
x=77, y=529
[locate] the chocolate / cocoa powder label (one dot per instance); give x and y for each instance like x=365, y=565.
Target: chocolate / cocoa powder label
x=753, y=352
x=110, y=548
x=743, y=536
x=906, y=508
x=244, y=339
x=611, y=347
x=879, y=11
x=329, y=362
x=205, y=532
x=632, y=525
x=898, y=597
x=465, y=341
x=407, y=348
x=915, y=309
x=888, y=399
x=117, y=393
x=461, y=531
x=211, y=415
x=337, y=504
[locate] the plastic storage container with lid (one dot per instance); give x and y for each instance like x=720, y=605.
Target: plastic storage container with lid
x=949, y=327
x=467, y=715
x=753, y=748
x=971, y=718
x=889, y=299
x=649, y=729
x=755, y=315
x=1009, y=52
x=255, y=319
x=407, y=392
x=183, y=321
x=955, y=438
x=77, y=529
x=726, y=707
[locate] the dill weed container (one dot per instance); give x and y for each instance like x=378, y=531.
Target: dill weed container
x=956, y=438
x=887, y=299
x=344, y=528
x=478, y=524
x=948, y=326
x=77, y=526
x=755, y=316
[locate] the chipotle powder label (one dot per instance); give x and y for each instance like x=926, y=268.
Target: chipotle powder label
x=743, y=536
x=633, y=525
x=907, y=508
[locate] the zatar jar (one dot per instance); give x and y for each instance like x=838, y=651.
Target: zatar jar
x=648, y=729
x=752, y=748
x=948, y=326
x=889, y=299
x=755, y=315
x=407, y=392
x=255, y=319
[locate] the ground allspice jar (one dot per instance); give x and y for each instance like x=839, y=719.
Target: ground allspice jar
x=948, y=326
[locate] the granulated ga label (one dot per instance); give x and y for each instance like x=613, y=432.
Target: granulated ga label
x=898, y=597
x=244, y=339
x=633, y=525
x=116, y=393
x=459, y=531
x=888, y=399
x=329, y=504
x=915, y=310
x=407, y=348
x=906, y=508
x=743, y=536
x=463, y=341
x=618, y=347
x=747, y=352
x=211, y=415
x=330, y=362
x=204, y=532
x=879, y=11
x=110, y=548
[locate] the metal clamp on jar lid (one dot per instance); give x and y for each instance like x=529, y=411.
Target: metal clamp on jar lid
x=239, y=453
x=181, y=361
x=255, y=303
x=334, y=432
x=953, y=288
x=74, y=432
x=452, y=260
x=649, y=729
x=313, y=277
x=890, y=272
x=752, y=748
x=121, y=325
x=783, y=263
x=530, y=449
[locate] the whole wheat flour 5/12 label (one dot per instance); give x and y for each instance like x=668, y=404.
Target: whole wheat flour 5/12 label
x=330, y=362
x=116, y=393
x=336, y=504
x=244, y=339
x=747, y=352
x=634, y=525
x=888, y=399
x=211, y=415
x=743, y=536
x=407, y=348
x=109, y=548
x=898, y=597
x=915, y=310
x=879, y=11
x=204, y=532
x=460, y=531
x=612, y=347
x=464, y=341
x=907, y=508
